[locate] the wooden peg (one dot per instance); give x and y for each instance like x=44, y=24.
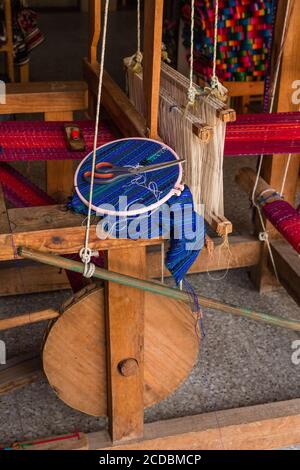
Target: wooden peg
x=227, y=115
x=203, y=131
x=128, y=367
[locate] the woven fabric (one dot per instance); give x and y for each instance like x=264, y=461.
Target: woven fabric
x=146, y=189
x=176, y=220
x=251, y=134
x=39, y=140
x=244, y=32
x=286, y=220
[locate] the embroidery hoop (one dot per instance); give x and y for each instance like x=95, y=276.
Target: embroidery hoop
x=176, y=190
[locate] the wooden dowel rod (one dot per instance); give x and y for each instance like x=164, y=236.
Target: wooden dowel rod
x=156, y=288
x=246, y=178
x=27, y=319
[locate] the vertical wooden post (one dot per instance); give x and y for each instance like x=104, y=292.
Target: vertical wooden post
x=95, y=29
x=60, y=175
x=152, y=61
x=94, y=38
x=273, y=167
x=125, y=340
x=9, y=46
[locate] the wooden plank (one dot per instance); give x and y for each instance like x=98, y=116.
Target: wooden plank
x=18, y=373
x=53, y=229
x=261, y=427
x=4, y=221
x=273, y=167
x=125, y=339
x=288, y=265
x=245, y=252
x=124, y=115
x=40, y=97
x=27, y=319
x=9, y=47
x=60, y=174
x=94, y=29
x=153, y=13
x=246, y=89
x=18, y=280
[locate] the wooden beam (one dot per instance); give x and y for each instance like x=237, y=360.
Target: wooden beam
x=237, y=89
x=9, y=46
x=288, y=266
x=19, y=372
x=245, y=251
x=94, y=29
x=29, y=279
x=28, y=319
x=60, y=174
x=153, y=13
x=53, y=229
x=262, y=427
x=124, y=115
x=41, y=97
x=4, y=221
x=125, y=340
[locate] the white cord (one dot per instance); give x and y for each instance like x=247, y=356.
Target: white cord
x=192, y=92
x=86, y=252
x=139, y=51
x=287, y=166
x=214, y=77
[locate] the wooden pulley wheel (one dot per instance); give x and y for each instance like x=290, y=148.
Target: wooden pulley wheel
x=74, y=354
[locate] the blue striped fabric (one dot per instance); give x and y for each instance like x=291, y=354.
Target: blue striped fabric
x=176, y=220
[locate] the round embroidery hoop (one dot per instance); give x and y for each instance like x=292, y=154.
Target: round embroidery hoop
x=157, y=188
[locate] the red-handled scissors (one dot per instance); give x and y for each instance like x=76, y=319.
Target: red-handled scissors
x=106, y=172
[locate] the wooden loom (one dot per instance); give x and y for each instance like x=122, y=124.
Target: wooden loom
x=52, y=230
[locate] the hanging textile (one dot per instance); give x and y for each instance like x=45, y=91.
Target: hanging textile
x=244, y=32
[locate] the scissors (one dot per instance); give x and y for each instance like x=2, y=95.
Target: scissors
x=106, y=172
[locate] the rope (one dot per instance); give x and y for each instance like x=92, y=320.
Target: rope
x=192, y=92
x=285, y=174
x=214, y=77
x=264, y=236
x=86, y=253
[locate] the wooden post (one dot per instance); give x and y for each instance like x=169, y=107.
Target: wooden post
x=60, y=175
x=9, y=46
x=152, y=61
x=273, y=167
x=125, y=339
x=94, y=38
x=95, y=29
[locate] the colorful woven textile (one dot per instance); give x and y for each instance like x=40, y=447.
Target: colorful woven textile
x=286, y=220
x=251, y=134
x=256, y=134
x=39, y=140
x=177, y=221
x=245, y=29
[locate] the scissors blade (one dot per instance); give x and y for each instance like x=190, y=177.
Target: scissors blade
x=158, y=166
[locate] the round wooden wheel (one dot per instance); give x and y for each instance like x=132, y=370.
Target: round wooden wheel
x=74, y=354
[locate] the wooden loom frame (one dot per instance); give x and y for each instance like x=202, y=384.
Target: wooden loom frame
x=52, y=230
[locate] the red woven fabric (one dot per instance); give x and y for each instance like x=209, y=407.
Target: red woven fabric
x=39, y=140
x=251, y=134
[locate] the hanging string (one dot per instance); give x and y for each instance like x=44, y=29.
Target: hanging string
x=192, y=92
x=287, y=166
x=86, y=253
x=216, y=88
x=214, y=77
x=264, y=236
